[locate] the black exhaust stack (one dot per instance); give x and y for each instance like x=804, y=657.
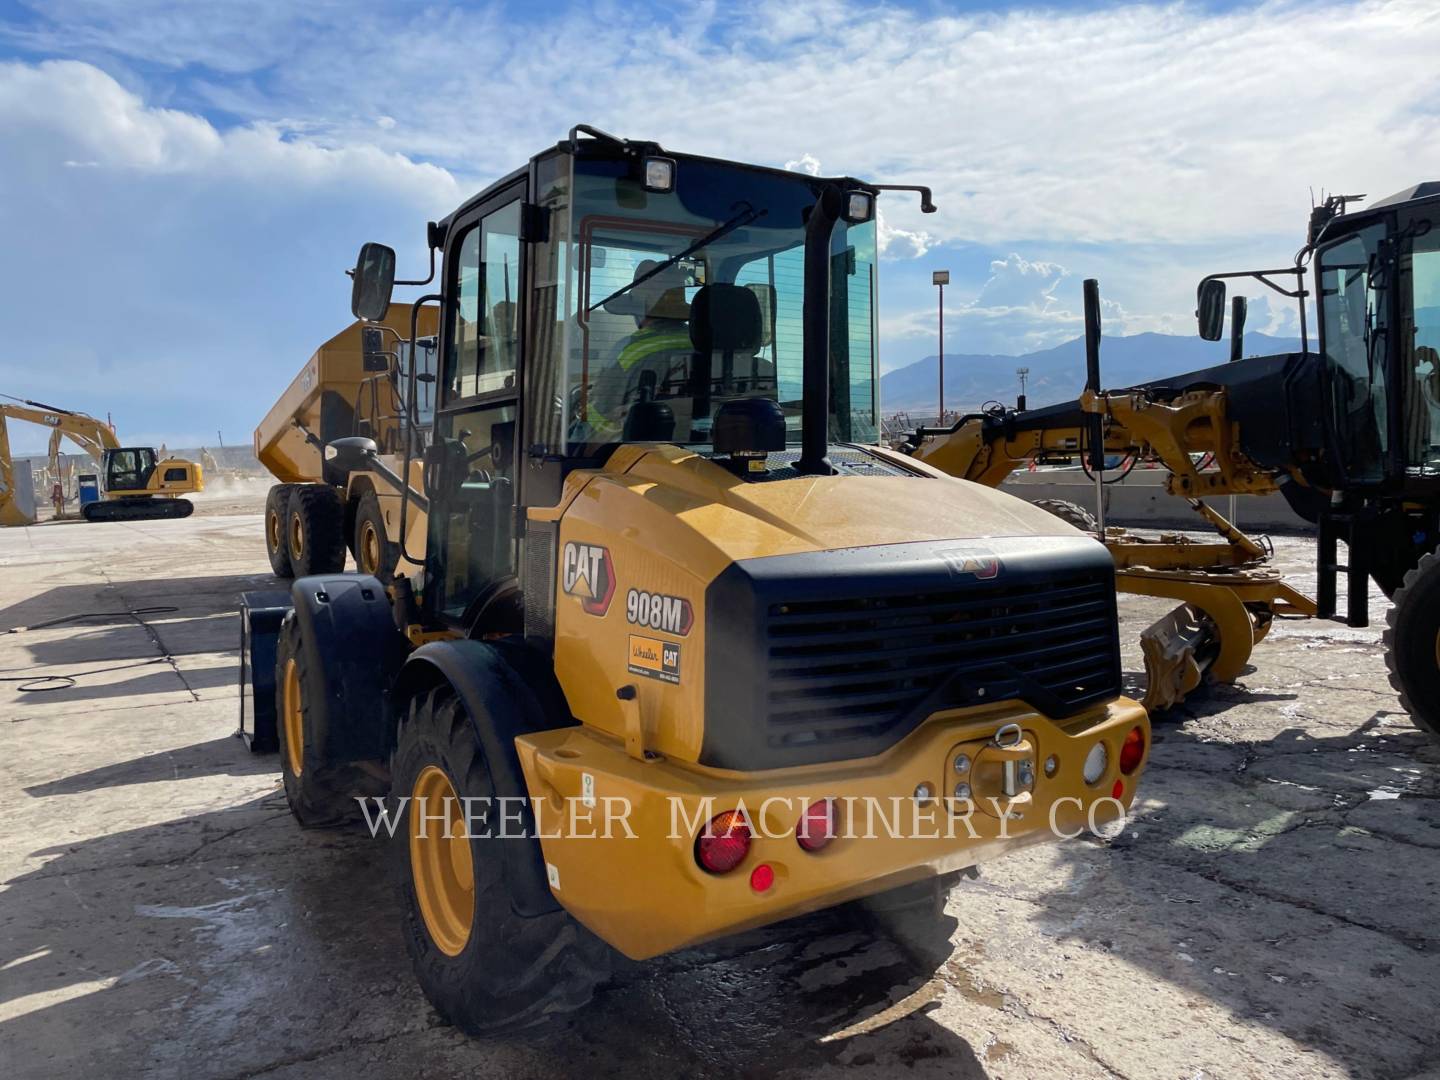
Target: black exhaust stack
x=815, y=415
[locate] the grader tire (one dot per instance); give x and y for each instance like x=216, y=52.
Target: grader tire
x=1070, y=513
x=317, y=530
x=484, y=968
x=1412, y=644
x=320, y=794
x=277, y=537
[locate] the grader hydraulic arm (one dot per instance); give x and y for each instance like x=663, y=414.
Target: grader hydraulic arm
x=1228, y=594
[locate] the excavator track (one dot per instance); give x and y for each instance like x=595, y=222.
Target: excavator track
x=138, y=509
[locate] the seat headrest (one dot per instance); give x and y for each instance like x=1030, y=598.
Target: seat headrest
x=726, y=318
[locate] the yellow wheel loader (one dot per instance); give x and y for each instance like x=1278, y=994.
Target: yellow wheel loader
x=357, y=384
x=689, y=652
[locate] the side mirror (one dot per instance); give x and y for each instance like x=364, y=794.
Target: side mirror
x=373, y=282
x=346, y=455
x=1238, y=307
x=1210, y=310
x=372, y=346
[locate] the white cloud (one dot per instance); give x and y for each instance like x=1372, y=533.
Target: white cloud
x=1140, y=124
x=806, y=163
x=170, y=272
x=1024, y=305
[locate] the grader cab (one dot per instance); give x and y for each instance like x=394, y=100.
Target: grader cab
x=684, y=629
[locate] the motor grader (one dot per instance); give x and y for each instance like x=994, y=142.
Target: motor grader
x=1349, y=433
x=358, y=383
x=669, y=570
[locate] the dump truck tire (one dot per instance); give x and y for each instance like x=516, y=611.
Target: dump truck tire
x=316, y=533
x=320, y=794
x=374, y=553
x=483, y=967
x=1412, y=644
x=1070, y=513
x=277, y=543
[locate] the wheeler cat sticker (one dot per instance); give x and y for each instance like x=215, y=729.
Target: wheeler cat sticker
x=586, y=573
x=655, y=659
x=657, y=611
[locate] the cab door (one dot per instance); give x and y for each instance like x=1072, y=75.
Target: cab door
x=471, y=549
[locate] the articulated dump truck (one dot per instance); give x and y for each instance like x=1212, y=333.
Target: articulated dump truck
x=356, y=385
x=689, y=653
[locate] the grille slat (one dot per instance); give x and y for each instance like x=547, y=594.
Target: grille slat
x=856, y=667
x=836, y=678
x=826, y=612
x=1096, y=613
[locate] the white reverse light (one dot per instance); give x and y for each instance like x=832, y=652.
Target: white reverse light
x=1096, y=763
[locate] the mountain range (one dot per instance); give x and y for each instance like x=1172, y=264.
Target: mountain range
x=1057, y=374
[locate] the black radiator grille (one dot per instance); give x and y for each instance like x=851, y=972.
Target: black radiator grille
x=857, y=668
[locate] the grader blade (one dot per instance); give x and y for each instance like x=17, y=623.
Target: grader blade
x=1177, y=649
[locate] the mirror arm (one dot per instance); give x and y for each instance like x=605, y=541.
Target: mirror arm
x=927, y=200
x=429, y=278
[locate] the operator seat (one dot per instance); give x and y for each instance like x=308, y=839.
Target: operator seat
x=728, y=331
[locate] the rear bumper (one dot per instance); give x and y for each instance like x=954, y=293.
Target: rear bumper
x=640, y=889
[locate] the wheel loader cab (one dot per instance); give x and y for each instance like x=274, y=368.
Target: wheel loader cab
x=670, y=575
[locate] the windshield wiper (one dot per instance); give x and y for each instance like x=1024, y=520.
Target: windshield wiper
x=745, y=217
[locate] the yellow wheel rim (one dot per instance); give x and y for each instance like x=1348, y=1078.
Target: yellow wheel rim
x=294, y=720
x=440, y=864
x=369, y=548
x=273, y=530
x=297, y=537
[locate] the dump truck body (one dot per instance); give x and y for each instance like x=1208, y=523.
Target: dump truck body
x=342, y=393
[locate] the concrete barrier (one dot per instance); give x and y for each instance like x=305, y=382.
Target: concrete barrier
x=1140, y=500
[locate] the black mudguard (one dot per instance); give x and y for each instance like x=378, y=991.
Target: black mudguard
x=348, y=632
x=514, y=688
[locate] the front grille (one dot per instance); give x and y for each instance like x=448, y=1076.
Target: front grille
x=839, y=654
x=848, y=668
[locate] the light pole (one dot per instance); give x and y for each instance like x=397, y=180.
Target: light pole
x=1023, y=372
x=941, y=278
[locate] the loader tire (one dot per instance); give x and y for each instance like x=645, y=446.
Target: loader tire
x=1070, y=513
x=317, y=530
x=483, y=967
x=277, y=535
x=320, y=793
x=1412, y=644
x=374, y=553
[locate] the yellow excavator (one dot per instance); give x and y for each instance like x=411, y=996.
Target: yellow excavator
x=133, y=483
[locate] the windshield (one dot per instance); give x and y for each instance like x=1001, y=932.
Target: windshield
x=693, y=298
x=1352, y=338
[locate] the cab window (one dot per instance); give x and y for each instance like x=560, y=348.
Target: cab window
x=484, y=320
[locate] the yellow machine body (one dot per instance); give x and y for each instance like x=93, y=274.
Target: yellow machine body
x=669, y=522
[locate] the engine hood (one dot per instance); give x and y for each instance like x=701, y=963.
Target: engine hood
x=743, y=519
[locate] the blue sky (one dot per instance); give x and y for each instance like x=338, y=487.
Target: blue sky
x=183, y=183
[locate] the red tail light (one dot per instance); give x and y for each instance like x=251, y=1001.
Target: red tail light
x=1133, y=751
x=817, y=825
x=724, y=842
